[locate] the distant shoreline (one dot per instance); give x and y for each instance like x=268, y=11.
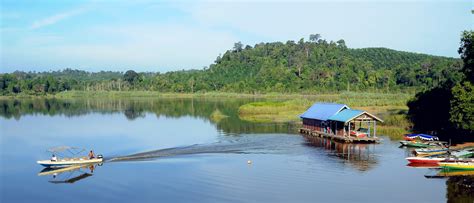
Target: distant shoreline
x=275, y=107
x=276, y=95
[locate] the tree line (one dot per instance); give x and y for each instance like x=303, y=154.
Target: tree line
x=448, y=108
x=304, y=66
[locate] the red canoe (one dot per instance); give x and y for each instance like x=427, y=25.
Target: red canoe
x=425, y=160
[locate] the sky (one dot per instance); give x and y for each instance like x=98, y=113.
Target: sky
x=160, y=36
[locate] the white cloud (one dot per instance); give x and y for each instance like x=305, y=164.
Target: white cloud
x=56, y=18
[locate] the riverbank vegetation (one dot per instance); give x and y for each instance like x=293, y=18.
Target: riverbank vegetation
x=395, y=123
x=390, y=107
x=293, y=75
x=304, y=67
x=448, y=109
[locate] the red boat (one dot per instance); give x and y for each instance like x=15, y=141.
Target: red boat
x=409, y=139
x=358, y=134
x=425, y=160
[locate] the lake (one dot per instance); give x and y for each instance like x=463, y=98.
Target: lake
x=172, y=150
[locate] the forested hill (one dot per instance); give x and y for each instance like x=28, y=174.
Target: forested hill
x=303, y=66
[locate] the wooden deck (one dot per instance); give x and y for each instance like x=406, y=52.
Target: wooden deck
x=339, y=138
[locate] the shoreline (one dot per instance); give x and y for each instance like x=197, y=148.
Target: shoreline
x=276, y=95
x=273, y=108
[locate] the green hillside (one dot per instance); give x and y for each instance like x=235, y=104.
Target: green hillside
x=298, y=67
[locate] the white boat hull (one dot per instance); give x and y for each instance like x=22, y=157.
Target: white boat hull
x=68, y=162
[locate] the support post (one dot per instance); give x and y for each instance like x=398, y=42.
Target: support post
x=344, y=130
x=349, y=134
x=375, y=127
x=368, y=124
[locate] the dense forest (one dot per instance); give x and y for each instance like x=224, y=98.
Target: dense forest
x=309, y=66
x=448, y=108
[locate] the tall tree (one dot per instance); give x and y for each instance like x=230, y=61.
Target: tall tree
x=238, y=46
x=462, y=103
x=341, y=44
x=462, y=107
x=467, y=54
x=131, y=77
x=314, y=37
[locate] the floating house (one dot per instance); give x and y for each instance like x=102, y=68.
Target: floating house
x=340, y=122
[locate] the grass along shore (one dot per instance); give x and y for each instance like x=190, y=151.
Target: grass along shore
x=390, y=107
x=365, y=98
x=277, y=107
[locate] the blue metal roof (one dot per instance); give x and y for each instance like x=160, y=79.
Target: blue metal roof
x=346, y=115
x=322, y=111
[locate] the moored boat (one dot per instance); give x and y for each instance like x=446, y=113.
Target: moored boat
x=431, y=151
x=466, y=153
x=448, y=173
x=425, y=160
x=424, y=137
x=414, y=144
x=427, y=137
x=422, y=144
x=457, y=165
x=410, y=137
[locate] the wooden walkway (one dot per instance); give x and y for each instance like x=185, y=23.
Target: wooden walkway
x=339, y=138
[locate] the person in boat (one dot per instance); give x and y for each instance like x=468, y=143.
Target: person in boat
x=91, y=155
x=54, y=158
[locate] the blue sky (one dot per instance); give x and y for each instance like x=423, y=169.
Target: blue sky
x=172, y=35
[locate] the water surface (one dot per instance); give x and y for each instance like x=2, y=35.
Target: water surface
x=171, y=150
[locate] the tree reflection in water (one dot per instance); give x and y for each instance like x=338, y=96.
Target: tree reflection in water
x=133, y=109
x=460, y=189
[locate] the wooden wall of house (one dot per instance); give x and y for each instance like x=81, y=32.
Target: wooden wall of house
x=339, y=129
x=317, y=126
x=312, y=124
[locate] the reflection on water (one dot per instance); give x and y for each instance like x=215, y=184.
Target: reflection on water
x=459, y=183
x=162, y=148
x=359, y=156
x=69, y=174
x=134, y=109
x=422, y=165
x=460, y=189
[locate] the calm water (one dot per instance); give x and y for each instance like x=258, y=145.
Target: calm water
x=170, y=150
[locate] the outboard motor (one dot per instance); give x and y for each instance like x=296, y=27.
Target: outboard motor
x=100, y=156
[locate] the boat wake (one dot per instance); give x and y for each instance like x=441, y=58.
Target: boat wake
x=253, y=146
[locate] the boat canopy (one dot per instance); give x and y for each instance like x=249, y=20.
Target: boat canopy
x=427, y=137
x=412, y=135
x=422, y=137
x=60, y=150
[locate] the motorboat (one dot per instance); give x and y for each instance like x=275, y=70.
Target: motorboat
x=73, y=159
